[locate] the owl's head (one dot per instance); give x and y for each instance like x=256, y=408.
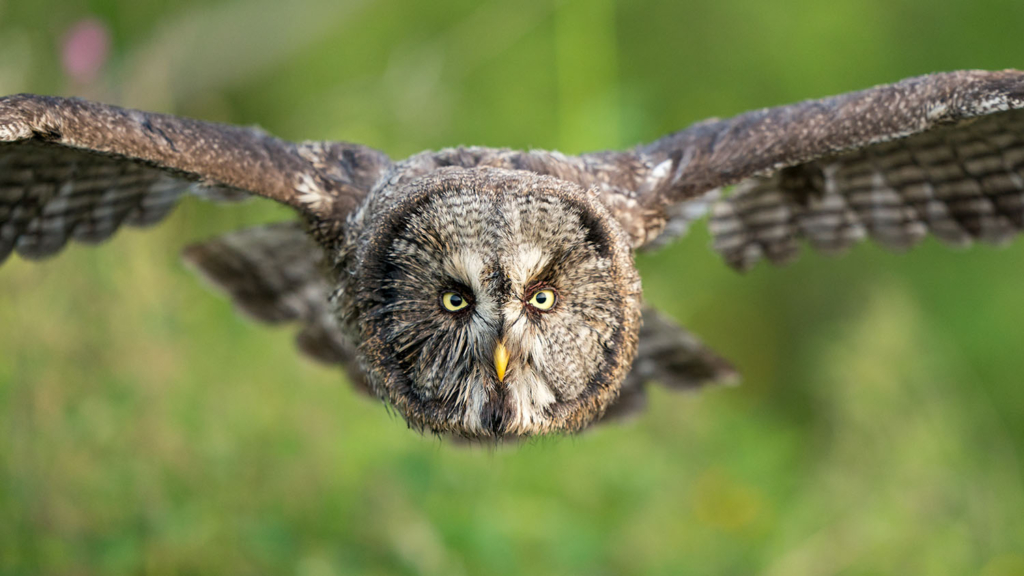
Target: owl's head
x=496, y=303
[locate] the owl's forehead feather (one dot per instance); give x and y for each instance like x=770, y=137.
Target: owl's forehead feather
x=528, y=261
x=466, y=267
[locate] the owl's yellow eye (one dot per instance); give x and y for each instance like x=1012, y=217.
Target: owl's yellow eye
x=453, y=301
x=543, y=299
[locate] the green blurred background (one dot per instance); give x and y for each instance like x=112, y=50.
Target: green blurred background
x=145, y=428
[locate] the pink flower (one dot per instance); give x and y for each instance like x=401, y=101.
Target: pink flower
x=85, y=49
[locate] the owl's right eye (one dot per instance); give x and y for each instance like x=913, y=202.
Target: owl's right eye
x=453, y=301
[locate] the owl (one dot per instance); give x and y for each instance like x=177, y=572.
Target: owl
x=489, y=293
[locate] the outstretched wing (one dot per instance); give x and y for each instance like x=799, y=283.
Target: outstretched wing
x=273, y=274
x=942, y=153
x=73, y=169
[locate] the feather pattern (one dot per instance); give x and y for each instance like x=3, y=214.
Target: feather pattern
x=73, y=169
x=960, y=183
x=937, y=153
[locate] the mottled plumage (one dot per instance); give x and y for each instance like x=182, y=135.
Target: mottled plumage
x=491, y=293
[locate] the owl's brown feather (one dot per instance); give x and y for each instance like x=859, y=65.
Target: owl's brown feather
x=961, y=183
x=73, y=169
x=718, y=153
x=49, y=195
x=940, y=153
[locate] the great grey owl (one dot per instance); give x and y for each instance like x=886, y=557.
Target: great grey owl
x=491, y=293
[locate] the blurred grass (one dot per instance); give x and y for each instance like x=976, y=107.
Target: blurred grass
x=146, y=428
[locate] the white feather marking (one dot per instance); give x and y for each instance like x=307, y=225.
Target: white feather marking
x=530, y=261
x=467, y=267
x=474, y=405
x=661, y=171
x=530, y=396
x=12, y=131
x=310, y=193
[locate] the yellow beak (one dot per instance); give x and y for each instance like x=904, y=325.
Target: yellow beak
x=500, y=360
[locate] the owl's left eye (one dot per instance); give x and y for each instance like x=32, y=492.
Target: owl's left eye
x=453, y=301
x=543, y=300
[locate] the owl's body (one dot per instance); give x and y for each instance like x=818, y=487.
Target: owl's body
x=491, y=293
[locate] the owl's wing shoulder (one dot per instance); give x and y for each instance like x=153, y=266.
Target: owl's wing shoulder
x=274, y=274
x=74, y=169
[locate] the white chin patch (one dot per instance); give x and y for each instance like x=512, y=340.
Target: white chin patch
x=476, y=397
x=530, y=396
